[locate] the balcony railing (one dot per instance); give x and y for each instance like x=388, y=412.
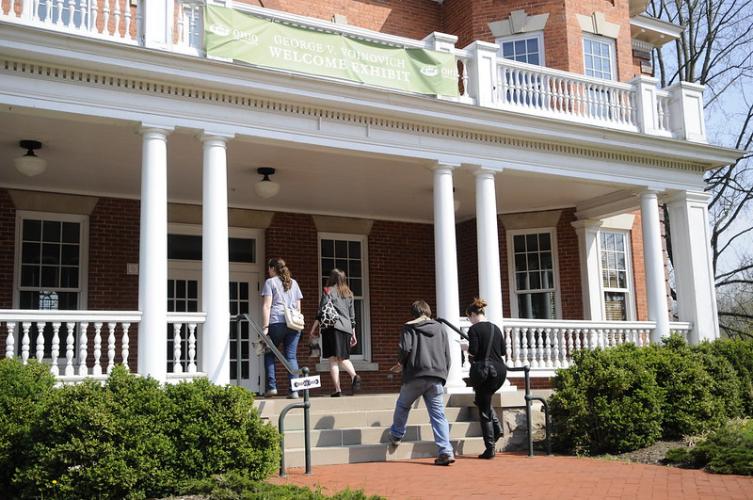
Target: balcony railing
x=88, y=344
x=546, y=345
x=484, y=79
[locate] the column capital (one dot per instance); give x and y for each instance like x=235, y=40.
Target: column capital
x=211, y=136
x=649, y=192
x=147, y=128
x=440, y=166
x=679, y=197
x=481, y=170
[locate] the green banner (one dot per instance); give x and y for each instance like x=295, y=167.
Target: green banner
x=235, y=35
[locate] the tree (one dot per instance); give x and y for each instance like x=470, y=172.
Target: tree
x=715, y=50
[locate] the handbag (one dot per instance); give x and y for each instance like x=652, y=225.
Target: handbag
x=293, y=317
x=329, y=315
x=483, y=370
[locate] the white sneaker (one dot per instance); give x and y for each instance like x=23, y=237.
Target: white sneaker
x=270, y=392
x=293, y=395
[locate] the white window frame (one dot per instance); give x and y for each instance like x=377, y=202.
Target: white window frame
x=366, y=318
x=612, y=52
x=539, y=35
x=630, y=305
x=552, y=231
x=83, y=267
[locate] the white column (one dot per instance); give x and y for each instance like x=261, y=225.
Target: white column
x=590, y=277
x=446, y=267
x=152, y=345
x=691, y=256
x=215, y=269
x=656, y=285
x=487, y=236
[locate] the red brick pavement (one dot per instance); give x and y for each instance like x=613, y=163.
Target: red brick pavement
x=512, y=476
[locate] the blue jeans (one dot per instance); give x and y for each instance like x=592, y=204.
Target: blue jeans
x=433, y=393
x=280, y=333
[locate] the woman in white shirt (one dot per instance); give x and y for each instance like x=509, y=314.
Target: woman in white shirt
x=279, y=291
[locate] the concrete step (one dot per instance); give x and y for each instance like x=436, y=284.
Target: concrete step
x=376, y=435
x=360, y=402
x=378, y=452
x=364, y=418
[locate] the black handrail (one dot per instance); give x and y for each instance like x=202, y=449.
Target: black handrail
x=528, y=397
x=306, y=405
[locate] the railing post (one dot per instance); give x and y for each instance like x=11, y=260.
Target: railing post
x=645, y=103
x=27, y=9
x=686, y=118
x=482, y=72
x=158, y=22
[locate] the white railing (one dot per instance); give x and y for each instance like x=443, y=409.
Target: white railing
x=76, y=344
x=120, y=20
x=547, y=345
x=559, y=94
x=183, y=335
x=662, y=110
x=188, y=34
x=81, y=344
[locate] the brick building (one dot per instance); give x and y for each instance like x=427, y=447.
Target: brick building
x=537, y=183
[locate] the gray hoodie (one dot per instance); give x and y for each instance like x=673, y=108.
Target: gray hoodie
x=424, y=350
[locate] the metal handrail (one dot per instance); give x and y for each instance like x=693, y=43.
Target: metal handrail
x=528, y=397
x=306, y=405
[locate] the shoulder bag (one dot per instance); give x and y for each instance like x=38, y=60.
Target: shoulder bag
x=328, y=314
x=293, y=317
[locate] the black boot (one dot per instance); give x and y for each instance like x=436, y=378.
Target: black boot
x=496, y=426
x=487, y=430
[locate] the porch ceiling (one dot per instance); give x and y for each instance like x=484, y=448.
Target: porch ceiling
x=103, y=158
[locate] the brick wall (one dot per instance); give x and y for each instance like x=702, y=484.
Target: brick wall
x=639, y=269
x=467, y=262
x=569, y=266
x=7, y=256
x=409, y=18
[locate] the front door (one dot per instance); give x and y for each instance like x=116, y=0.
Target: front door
x=184, y=295
x=246, y=367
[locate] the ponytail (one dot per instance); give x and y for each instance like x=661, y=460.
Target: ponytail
x=281, y=269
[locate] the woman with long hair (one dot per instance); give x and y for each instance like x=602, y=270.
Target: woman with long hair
x=338, y=339
x=280, y=291
x=486, y=347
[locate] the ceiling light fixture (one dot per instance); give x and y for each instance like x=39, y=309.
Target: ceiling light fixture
x=266, y=188
x=30, y=164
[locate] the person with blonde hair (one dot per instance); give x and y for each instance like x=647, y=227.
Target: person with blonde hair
x=486, y=348
x=279, y=291
x=339, y=336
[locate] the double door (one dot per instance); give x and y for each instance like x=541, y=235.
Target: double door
x=184, y=295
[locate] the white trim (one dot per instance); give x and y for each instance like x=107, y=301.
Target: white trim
x=552, y=231
x=612, y=52
x=630, y=303
x=365, y=296
x=83, y=268
x=539, y=35
x=233, y=232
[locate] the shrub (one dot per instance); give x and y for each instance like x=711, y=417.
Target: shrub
x=608, y=401
x=739, y=353
x=217, y=429
x=726, y=383
x=689, y=407
x=23, y=390
x=728, y=450
x=132, y=438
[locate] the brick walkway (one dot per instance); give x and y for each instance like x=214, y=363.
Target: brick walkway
x=512, y=476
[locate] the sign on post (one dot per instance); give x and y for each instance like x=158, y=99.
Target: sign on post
x=303, y=383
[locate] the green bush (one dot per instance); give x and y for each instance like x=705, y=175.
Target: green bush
x=726, y=384
x=739, y=353
x=689, y=406
x=132, y=438
x=217, y=429
x=608, y=401
x=23, y=390
x=728, y=450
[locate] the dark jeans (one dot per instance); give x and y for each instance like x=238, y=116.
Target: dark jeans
x=281, y=334
x=484, y=394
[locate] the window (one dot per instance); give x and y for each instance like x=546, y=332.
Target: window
x=533, y=276
x=528, y=48
x=188, y=247
x=599, y=57
x=51, y=251
x=615, y=275
x=348, y=253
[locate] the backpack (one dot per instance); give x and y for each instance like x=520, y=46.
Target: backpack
x=329, y=314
